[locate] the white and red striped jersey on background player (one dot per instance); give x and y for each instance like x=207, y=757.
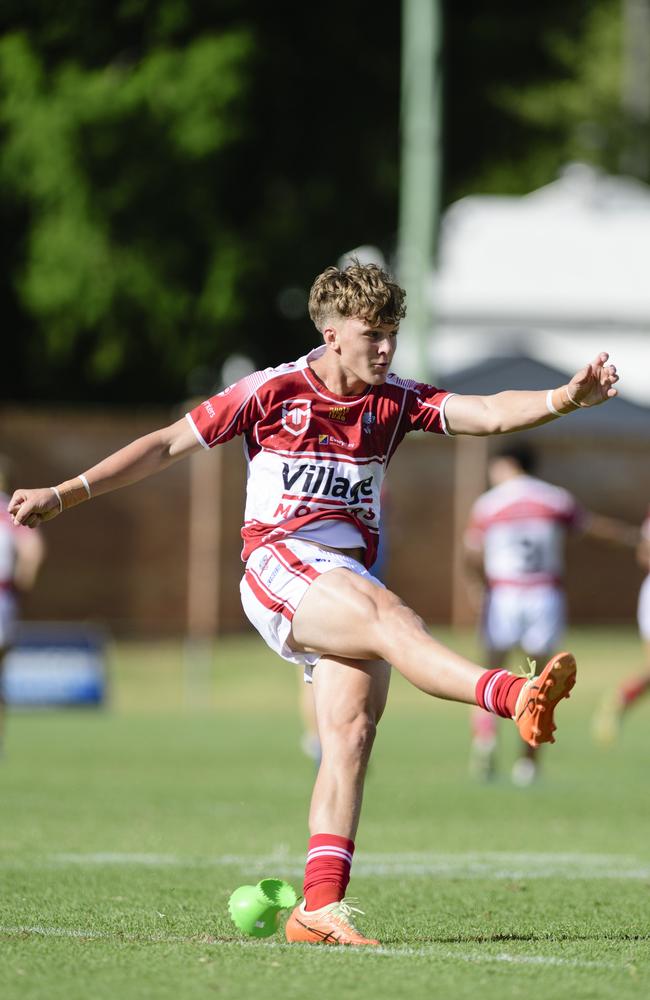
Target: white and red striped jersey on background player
x=10, y=534
x=316, y=461
x=520, y=525
x=8, y=551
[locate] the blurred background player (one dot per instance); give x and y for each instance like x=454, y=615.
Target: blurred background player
x=21, y=555
x=614, y=708
x=515, y=554
x=309, y=739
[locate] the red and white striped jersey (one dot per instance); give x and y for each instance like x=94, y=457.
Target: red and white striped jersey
x=520, y=525
x=315, y=459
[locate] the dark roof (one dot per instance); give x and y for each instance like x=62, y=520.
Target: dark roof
x=522, y=372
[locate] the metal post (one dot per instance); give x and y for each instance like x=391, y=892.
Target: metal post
x=635, y=88
x=419, y=205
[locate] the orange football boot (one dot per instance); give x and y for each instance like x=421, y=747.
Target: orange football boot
x=539, y=696
x=331, y=924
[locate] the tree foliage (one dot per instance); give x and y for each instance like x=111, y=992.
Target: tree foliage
x=174, y=172
x=578, y=114
x=168, y=169
x=126, y=237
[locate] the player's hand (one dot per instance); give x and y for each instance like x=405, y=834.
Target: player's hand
x=32, y=507
x=594, y=384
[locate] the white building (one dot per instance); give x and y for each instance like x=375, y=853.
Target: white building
x=559, y=275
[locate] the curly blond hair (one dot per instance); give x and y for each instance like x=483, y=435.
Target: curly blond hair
x=363, y=290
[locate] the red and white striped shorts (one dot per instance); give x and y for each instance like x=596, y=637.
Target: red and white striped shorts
x=277, y=577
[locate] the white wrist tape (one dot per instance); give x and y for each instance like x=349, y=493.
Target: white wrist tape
x=85, y=485
x=58, y=496
x=549, y=404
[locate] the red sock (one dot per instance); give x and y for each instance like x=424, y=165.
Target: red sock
x=633, y=689
x=327, y=873
x=497, y=692
x=484, y=726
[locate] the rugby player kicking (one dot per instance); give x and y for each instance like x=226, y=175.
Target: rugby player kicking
x=318, y=435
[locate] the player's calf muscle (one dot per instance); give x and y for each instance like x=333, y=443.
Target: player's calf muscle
x=352, y=741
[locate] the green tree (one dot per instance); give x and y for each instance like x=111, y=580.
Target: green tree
x=127, y=249
x=577, y=112
x=173, y=172
x=169, y=168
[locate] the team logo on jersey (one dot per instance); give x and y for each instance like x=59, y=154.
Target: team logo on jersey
x=330, y=439
x=368, y=419
x=338, y=413
x=296, y=415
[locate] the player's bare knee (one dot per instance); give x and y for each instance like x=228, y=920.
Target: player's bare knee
x=361, y=737
x=395, y=618
x=354, y=739
x=364, y=730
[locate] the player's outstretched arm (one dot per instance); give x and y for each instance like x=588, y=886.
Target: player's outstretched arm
x=515, y=410
x=612, y=530
x=143, y=457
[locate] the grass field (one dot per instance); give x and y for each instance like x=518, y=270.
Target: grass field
x=124, y=831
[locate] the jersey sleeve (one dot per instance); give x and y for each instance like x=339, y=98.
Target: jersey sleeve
x=425, y=408
x=231, y=412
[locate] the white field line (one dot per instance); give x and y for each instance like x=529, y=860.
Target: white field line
x=432, y=951
x=495, y=866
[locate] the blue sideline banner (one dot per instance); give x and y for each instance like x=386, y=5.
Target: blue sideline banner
x=54, y=665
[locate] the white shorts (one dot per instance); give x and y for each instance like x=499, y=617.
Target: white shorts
x=7, y=618
x=643, y=611
x=277, y=578
x=532, y=618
